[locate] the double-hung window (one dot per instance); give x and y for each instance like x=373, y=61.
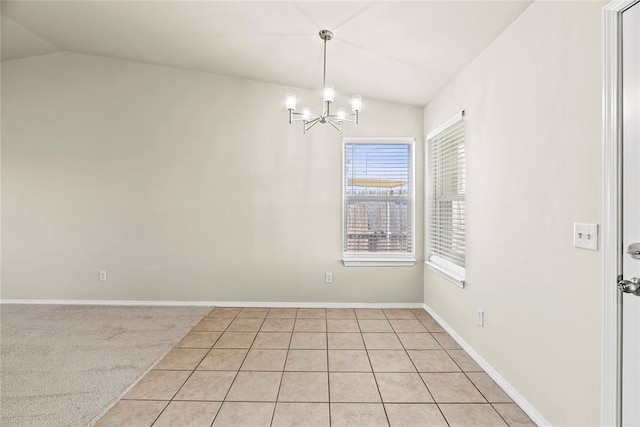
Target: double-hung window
x=446, y=213
x=378, y=201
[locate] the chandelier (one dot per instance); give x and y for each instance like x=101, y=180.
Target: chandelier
x=336, y=120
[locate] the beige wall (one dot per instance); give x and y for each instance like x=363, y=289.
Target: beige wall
x=532, y=103
x=183, y=185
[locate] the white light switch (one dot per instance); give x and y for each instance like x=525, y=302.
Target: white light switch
x=585, y=236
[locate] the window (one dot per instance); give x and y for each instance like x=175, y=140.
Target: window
x=378, y=199
x=446, y=200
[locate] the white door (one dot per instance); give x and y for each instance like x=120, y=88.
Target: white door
x=631, y=212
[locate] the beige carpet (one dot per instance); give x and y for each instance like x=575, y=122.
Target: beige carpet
x=66, y=365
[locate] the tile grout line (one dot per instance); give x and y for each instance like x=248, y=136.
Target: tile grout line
x=192, y=371
x=372, y=371
x=220, y=407
x=170, y=400
x=499, y=414
x=472, y=383
x=418, y=372
x=326, y=332
x=314, y=371
x=161, y=412
x=284, y=366
x=304, y=401
x=240, y=367
x=447, y=351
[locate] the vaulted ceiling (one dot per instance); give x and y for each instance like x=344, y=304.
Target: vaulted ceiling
x=395, y=51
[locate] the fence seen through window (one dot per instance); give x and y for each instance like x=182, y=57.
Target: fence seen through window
x=378, y=193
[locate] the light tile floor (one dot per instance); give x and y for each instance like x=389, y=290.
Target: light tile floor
x=316, y=367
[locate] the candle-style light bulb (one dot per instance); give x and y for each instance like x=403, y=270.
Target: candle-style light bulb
x=291, y=102
x=329, y=93
x=356, y=103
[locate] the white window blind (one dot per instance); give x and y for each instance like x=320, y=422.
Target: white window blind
x=378, y=198
x=446, y=214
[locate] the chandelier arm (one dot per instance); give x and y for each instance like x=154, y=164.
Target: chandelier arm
x=301, y=115
x=335, y=123
x=339, y=120
x=352, y=118
x=309, y=124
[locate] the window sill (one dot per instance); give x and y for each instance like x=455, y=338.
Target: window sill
x=449, y=271
x=378, y=262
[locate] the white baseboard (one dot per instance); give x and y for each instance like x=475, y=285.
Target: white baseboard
x=499, y=379
x=217, y=303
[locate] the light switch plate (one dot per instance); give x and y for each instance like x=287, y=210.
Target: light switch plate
x=585, y=236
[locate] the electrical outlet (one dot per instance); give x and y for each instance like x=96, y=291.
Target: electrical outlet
x=480, y=317
x=103, y=276
x=328, y=277
x=585, y=236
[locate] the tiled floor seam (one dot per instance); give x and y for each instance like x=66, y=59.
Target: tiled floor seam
x=238, y=371
x=192, y=372
x=275, y=405
x=384, y=408
x=326, y=318
x=421, y=378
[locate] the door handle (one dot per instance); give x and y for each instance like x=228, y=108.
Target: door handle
x=630, y=286
x=634, y=250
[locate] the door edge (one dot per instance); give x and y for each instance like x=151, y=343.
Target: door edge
x=610, y=394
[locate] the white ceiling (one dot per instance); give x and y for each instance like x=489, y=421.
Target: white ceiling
x=395, y=51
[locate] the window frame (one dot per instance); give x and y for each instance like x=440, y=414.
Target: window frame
x=381, y=259
x=434, y=262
